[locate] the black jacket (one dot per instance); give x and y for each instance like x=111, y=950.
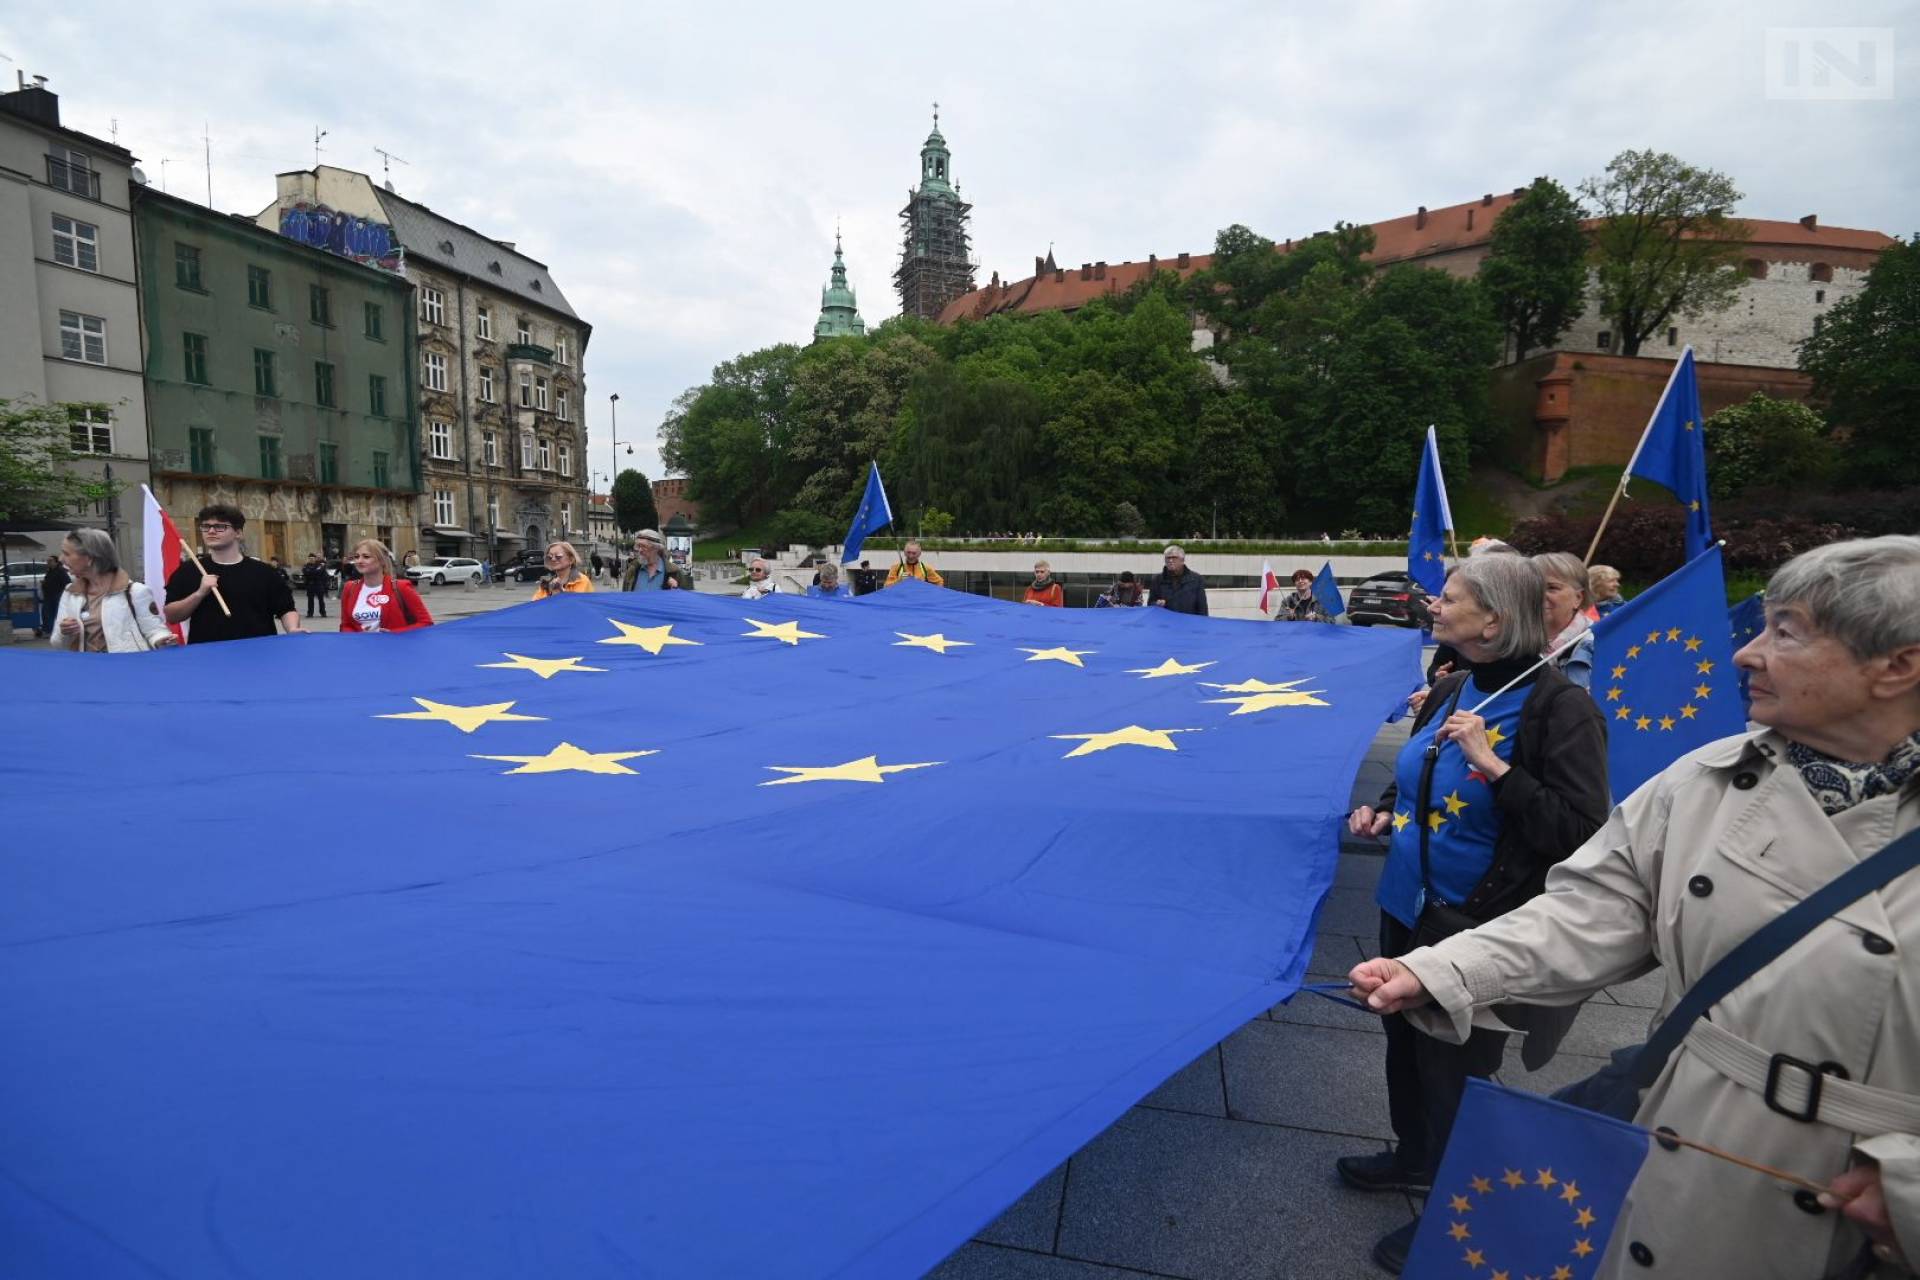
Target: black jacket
x=1184, y=594
x=1552, y=798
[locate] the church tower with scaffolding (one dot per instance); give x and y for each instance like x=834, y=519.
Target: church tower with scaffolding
x=935, y=267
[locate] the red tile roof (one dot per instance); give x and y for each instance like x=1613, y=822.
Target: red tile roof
x=1423, y=234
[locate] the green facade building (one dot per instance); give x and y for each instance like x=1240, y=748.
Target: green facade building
x=279, y=378
x=839, y=309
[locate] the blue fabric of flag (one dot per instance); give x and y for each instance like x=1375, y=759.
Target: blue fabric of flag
x=1663, y=673
x=875, y=513
x=665, y=934
x=1674, y=452
x=1327, y=591
x=1527, y=1187
x=1747, y=620
x=1427, y=540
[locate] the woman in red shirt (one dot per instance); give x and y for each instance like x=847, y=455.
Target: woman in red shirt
x=1044, y=589
x=382, y=600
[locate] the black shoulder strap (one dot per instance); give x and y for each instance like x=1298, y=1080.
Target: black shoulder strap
x=1767, y=943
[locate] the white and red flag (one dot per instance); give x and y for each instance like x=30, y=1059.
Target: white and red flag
x=162, y=548
x=1268, y=581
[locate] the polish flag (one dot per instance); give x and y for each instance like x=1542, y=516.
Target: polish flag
x=162, y=550
x=1268, y=582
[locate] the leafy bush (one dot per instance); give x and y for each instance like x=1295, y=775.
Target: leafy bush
x=1127, y=520
x=1766, y=443
x=802, y=528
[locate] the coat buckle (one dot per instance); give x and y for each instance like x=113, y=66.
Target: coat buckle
x=1816, y=1076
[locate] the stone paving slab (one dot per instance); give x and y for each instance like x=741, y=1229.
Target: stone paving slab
x=1307, y=1077
x=1034, y=1219
x=1198, y=1087
x=988, y=1262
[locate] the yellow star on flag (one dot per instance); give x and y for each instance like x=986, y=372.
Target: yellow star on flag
x=1481, y=1186
x=1623, y=713
x=1494, y=735
x=1693, y=644
x=1514, y=1179
x=936, y=642
x=1401, y=819
x=1546, y=1179
x=1634, y=652
x=465, y=719
x=545, y=668
x=1569, y=1191
x=652, y=639
x=785, y=632
x=1619, y=673
x=1694, y=505
x=1673, y=633
x=865, y=769
x=1584, y=1218
x=1689, y=711
x=1170, y=667
x=1583, y=1247
x=1461, y=1204
x=1435, y=821
x=1702, y=690
x=1613, y=695
x=1501, y=1275
x=1131, y=736
x=1058, y=654
x=1454, y=804
x=1563, y=1273
x=1643, y=723
x=567, y=758
x=1666, y=724
x=1653, y=637
x=1426, y=555
x=1475, y=1259
x=1704, y=667
x=1689, y=424
x=1459, y=1231
x=1259, y=695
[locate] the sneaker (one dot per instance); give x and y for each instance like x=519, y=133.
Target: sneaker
x=1390, y=1253
x=1382, y=1172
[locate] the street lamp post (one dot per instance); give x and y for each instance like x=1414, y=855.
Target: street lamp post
x=613, y=412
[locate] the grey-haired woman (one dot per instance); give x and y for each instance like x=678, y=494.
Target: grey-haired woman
x=104, y=611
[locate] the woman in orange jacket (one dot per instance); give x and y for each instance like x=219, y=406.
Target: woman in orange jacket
x=1044, y=589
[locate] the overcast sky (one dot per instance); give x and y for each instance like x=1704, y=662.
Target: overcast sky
x=681, y=168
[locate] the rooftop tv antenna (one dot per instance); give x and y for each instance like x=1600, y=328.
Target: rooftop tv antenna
x=387, y=159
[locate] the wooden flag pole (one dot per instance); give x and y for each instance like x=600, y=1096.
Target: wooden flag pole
x=217, y=597
x=1595, y=544
x=1744, y=1163
x=1627, y=472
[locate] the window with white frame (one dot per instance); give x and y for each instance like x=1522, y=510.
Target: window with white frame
x=526, y=333
x=546, y=454
x=561, y=406
x=526, y=451
x=434, y=367
x=540, y=394
x=433, y=306
x=566, y=516
x=76, y=243
x=559, y=348
x=486, y=384
x=490, y=451
x=83, y=337
x=439, y=440
x=443, y=508
x=493, y=513
x=566, y=460
x=483, y=322
x=526, y=390
x=92, y=430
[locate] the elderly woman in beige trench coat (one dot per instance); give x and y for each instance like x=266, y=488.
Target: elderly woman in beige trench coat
x=1693, y=862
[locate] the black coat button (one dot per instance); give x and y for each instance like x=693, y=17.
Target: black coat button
x=1875, y=944
x=1807, y=1202
x=1746, y=781
x=1665, y=1136
x=1640, y=1254
x=1700, y=886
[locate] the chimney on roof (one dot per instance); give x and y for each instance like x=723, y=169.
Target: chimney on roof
x=1469, y=219
x=1518, y=192
x=1086, y=271
x=1811, y=222
x=1039, y=265
x=1059, y=275
x=1486, y=199
x=1099, y=271
x=33, y=101
x=1186, y=260
x=1420, y=219
x=1153, y=263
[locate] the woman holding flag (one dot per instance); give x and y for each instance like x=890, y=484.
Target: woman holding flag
x=1809, y=1064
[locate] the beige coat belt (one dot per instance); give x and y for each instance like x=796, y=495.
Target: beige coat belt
x=1790, y=1085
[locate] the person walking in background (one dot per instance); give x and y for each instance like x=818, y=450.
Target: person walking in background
x=1043, y=590
x=51, y=586
x=256, y=596
x=1176, y=588
x=910, y=565
x=1603, y=587
x=564, y=572
x=313, y=576
x=103, y=610
x=379, y=598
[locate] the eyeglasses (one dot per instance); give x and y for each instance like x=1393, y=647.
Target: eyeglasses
x=215, y=526
x=757, y=572
x=556, y=555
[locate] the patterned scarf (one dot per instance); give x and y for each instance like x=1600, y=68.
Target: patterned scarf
x=1840, y=784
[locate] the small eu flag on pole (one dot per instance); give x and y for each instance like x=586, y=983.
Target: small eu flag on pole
x=1327, y=591
x=1663, y=673
x=874, y=514
x=1528, y=1187
x=1673, y=451
x=1427, y=542
x=1747, y=620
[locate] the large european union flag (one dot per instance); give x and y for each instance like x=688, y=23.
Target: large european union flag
x=875, y=514
x=1527, y=1187
x=1663, y=673
x=1673, y=451
x=657, y=934
x=1427, y=540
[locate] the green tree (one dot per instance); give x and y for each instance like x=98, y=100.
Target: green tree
x=37, y=480
x=794, y=527
x=732, y=437
x=633, y=507
x=1764, y=443
x=1535, y=271
x=846, y=401
x=1665, y=246
x=1865, y=363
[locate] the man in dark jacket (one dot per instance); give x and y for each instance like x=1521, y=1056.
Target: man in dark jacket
x=56, y=580
x=1179, y=589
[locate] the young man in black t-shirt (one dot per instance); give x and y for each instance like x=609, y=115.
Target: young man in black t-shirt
x=256, y=593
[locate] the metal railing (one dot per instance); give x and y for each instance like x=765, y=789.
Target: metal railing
x=78, y=179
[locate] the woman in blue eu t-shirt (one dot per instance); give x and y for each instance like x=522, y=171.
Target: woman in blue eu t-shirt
x=1504, y=775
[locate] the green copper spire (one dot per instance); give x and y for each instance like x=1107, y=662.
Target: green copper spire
x=839, y=310
x=936, y=162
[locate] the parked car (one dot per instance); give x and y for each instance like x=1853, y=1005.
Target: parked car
x=522, y=568
x=1390, y=599
x=444, y=569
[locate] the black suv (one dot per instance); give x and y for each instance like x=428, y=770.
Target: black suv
x=1389, y=599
